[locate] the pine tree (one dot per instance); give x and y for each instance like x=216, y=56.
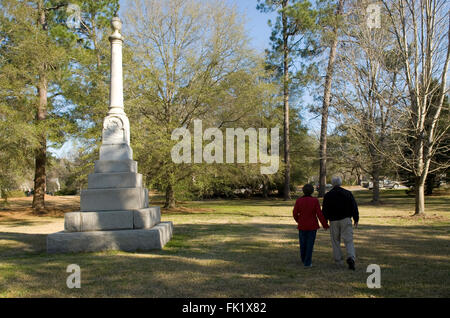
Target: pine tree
x=294, y=19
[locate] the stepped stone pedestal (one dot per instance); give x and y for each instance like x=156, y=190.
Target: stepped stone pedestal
x=115, y=212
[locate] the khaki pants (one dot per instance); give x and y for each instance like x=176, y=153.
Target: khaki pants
x=342, y=229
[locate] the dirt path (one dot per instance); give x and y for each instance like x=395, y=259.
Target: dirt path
x=56, y=206
x=21, y=230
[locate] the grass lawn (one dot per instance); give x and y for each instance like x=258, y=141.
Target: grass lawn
x=236, y=248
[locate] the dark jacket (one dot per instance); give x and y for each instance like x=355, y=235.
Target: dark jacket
x=339, y=204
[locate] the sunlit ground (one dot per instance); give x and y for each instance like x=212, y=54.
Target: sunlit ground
x=237, y=248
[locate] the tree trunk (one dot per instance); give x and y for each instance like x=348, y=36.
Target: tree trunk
x=421, y=172
x=4, y=195
x=376, y=186
x=430, y=183
x=323, y=151
x=41, y=153
x=287, y=167
x=170, y=196
x=265, y=189
x=38, y=204
x=325, y=106
x=420, y=196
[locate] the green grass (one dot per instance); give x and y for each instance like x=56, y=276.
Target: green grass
x=246, y=248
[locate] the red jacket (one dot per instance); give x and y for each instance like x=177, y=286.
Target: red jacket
x=306, y=211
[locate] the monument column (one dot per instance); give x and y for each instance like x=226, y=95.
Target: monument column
x=116, y=126
x=116, y=86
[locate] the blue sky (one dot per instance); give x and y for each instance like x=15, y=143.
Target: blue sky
x=256, y=24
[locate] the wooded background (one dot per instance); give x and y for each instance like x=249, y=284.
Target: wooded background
x=384, y=88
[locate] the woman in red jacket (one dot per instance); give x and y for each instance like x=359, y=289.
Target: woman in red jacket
x=306, y=211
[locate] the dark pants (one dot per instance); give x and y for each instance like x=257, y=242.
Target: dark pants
x=307, y=239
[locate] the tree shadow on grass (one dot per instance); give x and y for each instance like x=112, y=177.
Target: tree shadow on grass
x=17, y=222
x=393, y=199
x=246, y=202
x=21, y=244
x=247, y=260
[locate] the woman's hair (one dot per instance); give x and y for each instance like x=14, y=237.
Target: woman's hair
x=308, y=189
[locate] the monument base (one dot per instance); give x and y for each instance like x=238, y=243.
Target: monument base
x=123, y=240
x=112, y=220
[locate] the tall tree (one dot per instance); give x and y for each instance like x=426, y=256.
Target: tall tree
x=36, y=50
x=294, y=19
x=43, y=54
x=331, y=40
x=190, y=61
x=17, y=134
x=440, y=162
x=422, y=36
x=367, y=90
x=41, y=115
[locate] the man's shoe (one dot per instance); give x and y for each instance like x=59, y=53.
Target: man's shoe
x=351, y=263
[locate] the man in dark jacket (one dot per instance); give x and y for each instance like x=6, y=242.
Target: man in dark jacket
x=339, y=207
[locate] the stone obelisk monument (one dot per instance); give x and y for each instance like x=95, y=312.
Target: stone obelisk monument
x=115, y=213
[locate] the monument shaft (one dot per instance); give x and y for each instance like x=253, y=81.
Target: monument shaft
x=116, y=86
